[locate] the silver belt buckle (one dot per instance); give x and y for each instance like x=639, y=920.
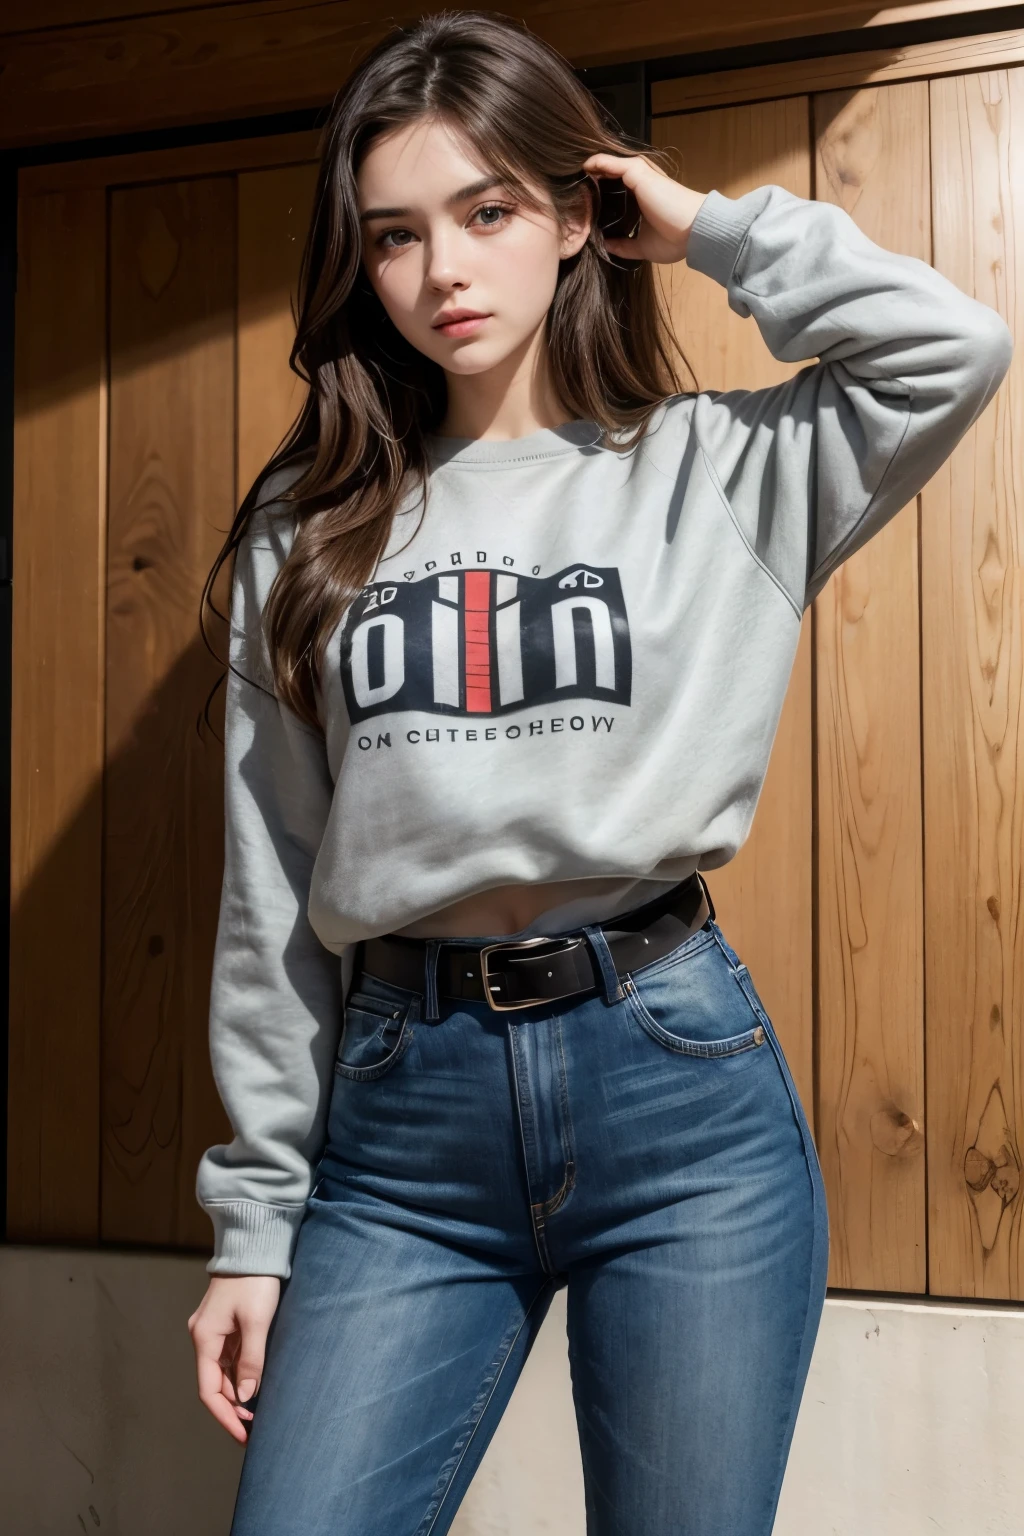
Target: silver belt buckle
x=487, y=950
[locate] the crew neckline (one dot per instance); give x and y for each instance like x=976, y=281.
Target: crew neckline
x=545, y=443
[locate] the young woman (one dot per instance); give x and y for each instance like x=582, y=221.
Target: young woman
x=512, y=623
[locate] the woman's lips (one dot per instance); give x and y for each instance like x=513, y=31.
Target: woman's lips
x=465, y=327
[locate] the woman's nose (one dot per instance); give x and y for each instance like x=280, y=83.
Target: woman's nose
x=443, y=268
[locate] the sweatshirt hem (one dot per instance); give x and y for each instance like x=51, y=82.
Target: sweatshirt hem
x=252, y=1237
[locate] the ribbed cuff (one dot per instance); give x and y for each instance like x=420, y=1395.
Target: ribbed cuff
x=719, y=230
x=252, y=1238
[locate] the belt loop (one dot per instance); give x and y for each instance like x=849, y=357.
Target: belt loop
x=432, y=1012
x=707, y=893
x=613, y=992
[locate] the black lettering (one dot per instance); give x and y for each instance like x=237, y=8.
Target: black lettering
x=471, y=735
x=453, y=734
x=365, y=743
x=481, y=556
x=431, y=565
x=384, y=740
x=599, y=720
x=577, y=722
x=558, y=725
x=456, y=559
x=536, y=727
x=536, y=570
x=512, y=731
x=433, y=735
x=490, y=733
x=507, y=560
x=412, y=736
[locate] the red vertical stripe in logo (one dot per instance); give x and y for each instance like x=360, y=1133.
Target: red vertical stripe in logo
x=478, y=642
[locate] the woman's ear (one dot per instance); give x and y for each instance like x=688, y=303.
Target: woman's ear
x=576, y=228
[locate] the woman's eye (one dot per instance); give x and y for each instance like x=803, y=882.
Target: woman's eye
x=392, y=239
x=492, y=214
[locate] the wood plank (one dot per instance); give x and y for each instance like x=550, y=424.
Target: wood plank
x=172, y=497
x=63, y=13
x=734, y=150
x=274, y=209
x=57, y=720
x=73, y=13
x=972, y=550
x=872, y=160
x=208, y=63
x=840, y=72
x=210, y=159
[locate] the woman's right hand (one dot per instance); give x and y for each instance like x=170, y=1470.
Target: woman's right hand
x=229, y=1333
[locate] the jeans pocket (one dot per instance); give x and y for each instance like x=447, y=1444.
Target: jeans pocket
x=376, y=1035
x=688, y=1004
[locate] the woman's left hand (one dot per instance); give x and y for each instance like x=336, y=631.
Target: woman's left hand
x=667, y=208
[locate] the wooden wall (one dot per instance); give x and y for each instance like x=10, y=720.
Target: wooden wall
x=73, y=70
x=901, y=941
x=152, y=383
x=887, y=847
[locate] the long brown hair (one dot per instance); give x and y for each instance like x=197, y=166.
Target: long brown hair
x=372, y=396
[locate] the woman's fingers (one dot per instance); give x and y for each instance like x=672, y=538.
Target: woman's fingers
x=248, y=1370
x=647, y=245
x=229, y=1333
x=667, y=208
x=629, y=168
x=212, y=1382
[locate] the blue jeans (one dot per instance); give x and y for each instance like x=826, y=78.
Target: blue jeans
x=650, y=1154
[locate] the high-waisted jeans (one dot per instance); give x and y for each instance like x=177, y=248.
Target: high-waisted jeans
x=649, y=1153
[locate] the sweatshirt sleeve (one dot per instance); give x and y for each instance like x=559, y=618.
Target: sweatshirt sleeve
x=276, y=998
x=812, y=468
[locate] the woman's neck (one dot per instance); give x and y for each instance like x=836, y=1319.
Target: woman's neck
x=511, y=400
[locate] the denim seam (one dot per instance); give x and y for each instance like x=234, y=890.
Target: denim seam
x=380, y=1068
x=817, y=1256
x=544, y=1208
x=708, y=1050
x=569, y=1136
x=426, y=1530
x=536, y=1223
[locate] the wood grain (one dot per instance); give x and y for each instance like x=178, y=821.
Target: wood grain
x=63, y=13
x=172, y=496
x=841, y=71
x=274, y=208
x=763, y=896
x=973, y=668
x=872, y=160
x=57, y=720
x=210, y=159
x=208, y=63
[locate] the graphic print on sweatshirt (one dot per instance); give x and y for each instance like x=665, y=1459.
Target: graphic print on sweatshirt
x=485, y=642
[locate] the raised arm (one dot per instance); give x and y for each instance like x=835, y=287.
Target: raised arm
x=812, y=468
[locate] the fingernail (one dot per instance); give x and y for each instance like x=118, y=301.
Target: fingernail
x=245, y=1390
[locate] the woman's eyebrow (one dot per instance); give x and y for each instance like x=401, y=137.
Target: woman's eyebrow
x=473, y=190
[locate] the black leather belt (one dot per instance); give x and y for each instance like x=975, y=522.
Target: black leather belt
x=520, y=973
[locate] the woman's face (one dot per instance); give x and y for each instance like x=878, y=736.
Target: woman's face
x=444, y=239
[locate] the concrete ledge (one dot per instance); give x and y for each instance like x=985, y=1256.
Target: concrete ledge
x=909, y=1426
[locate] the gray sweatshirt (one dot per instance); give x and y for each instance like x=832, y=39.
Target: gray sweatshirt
x=570, y=667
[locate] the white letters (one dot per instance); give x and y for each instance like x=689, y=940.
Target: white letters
x=564, y=634
x=394, y=660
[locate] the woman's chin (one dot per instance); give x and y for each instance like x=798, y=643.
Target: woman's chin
x=470, y=357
